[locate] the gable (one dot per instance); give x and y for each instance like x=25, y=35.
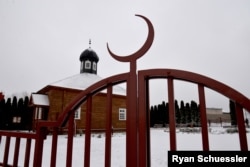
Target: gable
x=39, y=99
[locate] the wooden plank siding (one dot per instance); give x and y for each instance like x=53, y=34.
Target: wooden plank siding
x=60, y=97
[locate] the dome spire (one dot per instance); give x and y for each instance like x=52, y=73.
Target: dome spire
x=89, y=43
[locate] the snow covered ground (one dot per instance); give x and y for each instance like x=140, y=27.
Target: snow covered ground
x=218, y=138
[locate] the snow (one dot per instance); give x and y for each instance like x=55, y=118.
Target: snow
x=83, y=81
x=218, y=139
x=40, y=99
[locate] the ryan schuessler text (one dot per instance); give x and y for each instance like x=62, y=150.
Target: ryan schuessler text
x=209, y=158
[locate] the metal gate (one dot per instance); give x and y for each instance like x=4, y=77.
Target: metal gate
x=137, y=123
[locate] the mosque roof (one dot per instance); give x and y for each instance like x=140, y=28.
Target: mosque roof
x=84, y=80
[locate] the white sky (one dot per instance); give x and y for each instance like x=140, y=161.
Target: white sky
x=41, y=41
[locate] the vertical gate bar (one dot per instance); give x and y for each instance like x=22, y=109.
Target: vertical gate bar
x=203, y=115
x=40, y=136
x=54, y=147
x=108, y=127
x=241, y=127
x=171, y=106
x=27, y=153
x=148, y=124
x=16, y=152
x=132, y=118
x=70, y=139
x=144, y=140
x=6, y=151
x=88, y=133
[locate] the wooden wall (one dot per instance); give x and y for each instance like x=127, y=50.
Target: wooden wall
x=60, y=97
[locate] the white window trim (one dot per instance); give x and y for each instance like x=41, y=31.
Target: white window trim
x=16, y=120
x=94, y=65
x=122, y=114
x=78, y=114
x=87, y=64
x=81, y=66
x=38, y=113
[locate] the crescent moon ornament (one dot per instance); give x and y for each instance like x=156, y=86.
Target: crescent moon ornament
x=145, y=47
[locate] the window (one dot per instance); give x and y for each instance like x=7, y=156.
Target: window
x=38, y=113
x=87, y=64
x=78, y=113
x=94, y=66
x=122, y=114
x=81, y=66
x=16, y=120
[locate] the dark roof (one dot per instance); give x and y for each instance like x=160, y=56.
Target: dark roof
x=89, y=54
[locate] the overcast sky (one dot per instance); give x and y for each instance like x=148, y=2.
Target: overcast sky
x=41, y=41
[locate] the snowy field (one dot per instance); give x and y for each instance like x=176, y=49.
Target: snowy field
x=218, y=138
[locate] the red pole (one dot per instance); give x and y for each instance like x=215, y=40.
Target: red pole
x=70, y=139
x=54, y=147
x=108, y=127
x=41, y=134
x=27, y=153
x=241, y=127
x=144, y=122
x=88, y=133
x=6, y=151
x=131, y=124
x=203, y=116
x=16, y=153
x=171, y=106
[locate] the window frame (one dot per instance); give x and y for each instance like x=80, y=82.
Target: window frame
x=87, y=64
x=94, y=66
x=122, y=114
x=38, y=113
x=16, y=119
x=77, y=114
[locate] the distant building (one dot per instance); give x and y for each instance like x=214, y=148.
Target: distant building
x=60, y=93
x=217, y=115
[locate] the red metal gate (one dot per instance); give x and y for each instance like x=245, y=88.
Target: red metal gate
x=137, y=124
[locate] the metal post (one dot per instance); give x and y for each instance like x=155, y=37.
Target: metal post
x=203, y=116
x=108, y=127
x=171, y=106
x=241, y=127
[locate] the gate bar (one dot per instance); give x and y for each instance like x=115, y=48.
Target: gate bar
x=88, y=132
x=132, y=119
x=6, y=151
x=54, y=147
x=203, y=116
x=147, y=105
x=144, y=122
x=16, y=152
x=71, y=125
x=171, y=106
x=27, y=153
x=241, y=127
x=108, y=127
